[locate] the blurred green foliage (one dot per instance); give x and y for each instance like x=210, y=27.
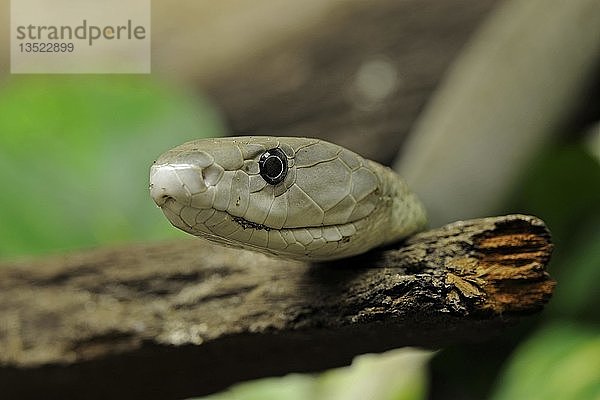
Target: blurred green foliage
x=562, y=186
x=290, y=387
x=561, y=361
x=74, y=158
x=400, y=375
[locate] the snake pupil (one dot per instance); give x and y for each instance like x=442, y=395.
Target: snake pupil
x=273, y=166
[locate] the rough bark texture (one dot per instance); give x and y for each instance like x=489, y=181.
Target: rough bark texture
x=187, y=318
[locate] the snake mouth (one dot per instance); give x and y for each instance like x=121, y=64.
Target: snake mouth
x=249, y=224
x=245, y=224
x=175, y=212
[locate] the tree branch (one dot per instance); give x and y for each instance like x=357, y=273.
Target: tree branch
x=187, y=318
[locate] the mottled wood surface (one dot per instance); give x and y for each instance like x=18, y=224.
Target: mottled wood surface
x=185, y=318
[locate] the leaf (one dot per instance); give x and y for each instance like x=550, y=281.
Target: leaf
x=396, y=375
x=562, y=361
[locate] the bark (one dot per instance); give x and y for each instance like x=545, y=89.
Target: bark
x=186, y=318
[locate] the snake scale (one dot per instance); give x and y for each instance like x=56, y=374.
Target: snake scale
x=292, y=197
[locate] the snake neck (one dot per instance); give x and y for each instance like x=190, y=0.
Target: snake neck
x=404, y=213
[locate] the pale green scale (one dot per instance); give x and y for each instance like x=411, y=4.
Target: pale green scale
x=330, y=203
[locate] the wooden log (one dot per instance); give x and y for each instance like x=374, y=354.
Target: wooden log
x=186, y=318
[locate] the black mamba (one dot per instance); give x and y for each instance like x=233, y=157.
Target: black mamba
x=83, y=32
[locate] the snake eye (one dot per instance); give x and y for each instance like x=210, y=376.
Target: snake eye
x=273, y=166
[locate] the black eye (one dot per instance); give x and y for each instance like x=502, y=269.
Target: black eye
x=273, y=166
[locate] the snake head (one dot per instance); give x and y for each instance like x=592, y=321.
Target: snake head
x=295, y=197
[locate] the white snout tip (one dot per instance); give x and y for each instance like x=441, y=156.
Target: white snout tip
x=175, y=181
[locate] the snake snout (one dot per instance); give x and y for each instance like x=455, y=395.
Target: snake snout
x=175, y=181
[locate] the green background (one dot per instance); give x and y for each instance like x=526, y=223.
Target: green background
x=75, y=154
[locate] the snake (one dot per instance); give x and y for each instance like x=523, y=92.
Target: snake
x=292, y=197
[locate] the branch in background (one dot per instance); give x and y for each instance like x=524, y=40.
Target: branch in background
x=500, y=103
x=359, y=77
x=187, y=318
